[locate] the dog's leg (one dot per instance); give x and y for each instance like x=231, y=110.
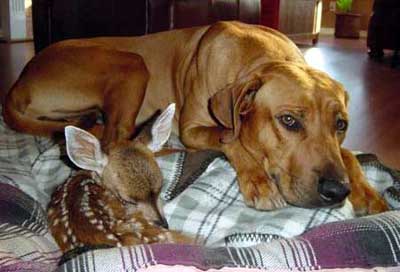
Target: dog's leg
x=122, y=104
x=257, y=188
x=364, y=198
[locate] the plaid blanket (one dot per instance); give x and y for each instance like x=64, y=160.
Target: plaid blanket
x=201, y=198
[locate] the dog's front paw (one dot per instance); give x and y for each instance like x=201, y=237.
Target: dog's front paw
x=366, y=200
x=259, y=192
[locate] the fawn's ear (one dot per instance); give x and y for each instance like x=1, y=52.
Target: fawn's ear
x=161, y=129
x=84, y=150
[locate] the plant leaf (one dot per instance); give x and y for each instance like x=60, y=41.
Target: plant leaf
x=344, y=5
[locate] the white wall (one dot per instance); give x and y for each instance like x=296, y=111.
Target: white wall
x=13, y=21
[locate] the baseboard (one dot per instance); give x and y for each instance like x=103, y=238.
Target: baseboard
x=331, y=31
x=327, y=31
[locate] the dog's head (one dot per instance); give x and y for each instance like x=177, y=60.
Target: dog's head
x=292, y=119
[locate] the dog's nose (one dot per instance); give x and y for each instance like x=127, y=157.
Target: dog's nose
x=332, y=191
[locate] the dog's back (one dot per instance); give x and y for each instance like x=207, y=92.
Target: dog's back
x=68, y=82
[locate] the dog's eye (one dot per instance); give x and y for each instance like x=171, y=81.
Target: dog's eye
x=290, y=123
x=341, y=125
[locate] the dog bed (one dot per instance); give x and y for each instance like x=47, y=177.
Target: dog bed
x=201, y=198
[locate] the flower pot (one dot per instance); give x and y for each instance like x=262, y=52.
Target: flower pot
x=347, y=25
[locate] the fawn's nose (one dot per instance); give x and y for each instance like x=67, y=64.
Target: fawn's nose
x=332, y=191
x=162, y=223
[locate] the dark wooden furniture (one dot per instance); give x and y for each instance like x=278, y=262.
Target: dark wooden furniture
x=270, y=13
x=55, y=20
x=300, y=19
x=347, y=25
x=384, y=29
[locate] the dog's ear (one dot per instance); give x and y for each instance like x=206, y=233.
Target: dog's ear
x=228, y=104
x=84, y=150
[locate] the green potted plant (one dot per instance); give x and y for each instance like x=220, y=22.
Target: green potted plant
x=347, y=24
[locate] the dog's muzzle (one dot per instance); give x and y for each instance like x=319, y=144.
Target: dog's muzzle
x=332, y=191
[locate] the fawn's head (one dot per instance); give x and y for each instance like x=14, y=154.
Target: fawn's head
x=129, y=170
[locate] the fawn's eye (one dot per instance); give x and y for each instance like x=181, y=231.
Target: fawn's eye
x=341, y=125
x=290, y=122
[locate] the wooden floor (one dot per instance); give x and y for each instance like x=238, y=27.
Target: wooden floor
x=374, y=90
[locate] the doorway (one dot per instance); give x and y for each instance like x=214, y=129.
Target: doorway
x=16, y=20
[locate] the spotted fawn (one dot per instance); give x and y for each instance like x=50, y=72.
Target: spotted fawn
x=113, y=202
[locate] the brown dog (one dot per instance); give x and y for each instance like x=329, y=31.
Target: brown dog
x=242, y=89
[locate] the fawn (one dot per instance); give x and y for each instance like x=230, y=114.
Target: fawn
x=113, y=202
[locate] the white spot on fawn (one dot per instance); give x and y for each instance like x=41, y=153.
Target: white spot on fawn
x=55, y=222
x=100, y=227
x=137, y=226
x=88, y=181
x=111, y=237
x=89, y=214
x=161, y=237
x=50, y=212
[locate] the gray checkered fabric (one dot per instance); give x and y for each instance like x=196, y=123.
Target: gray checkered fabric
x=32, y=164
